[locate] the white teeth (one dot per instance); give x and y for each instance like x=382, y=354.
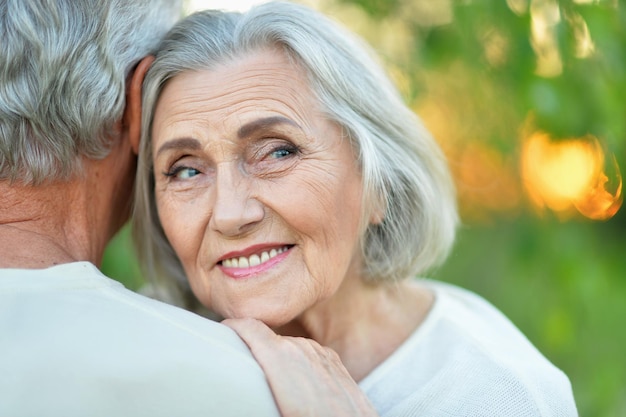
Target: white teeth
x=253, y=260
x=231, y=263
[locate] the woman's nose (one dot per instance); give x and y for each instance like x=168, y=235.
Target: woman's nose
x=235, y=211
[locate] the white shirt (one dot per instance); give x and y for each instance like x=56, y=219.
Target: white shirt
x=467, y=359
x=76, y=343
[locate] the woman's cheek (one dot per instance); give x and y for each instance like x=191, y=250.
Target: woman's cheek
x=174, y=226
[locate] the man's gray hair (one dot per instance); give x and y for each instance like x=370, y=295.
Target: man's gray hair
x=404, y=171
x=63, y=69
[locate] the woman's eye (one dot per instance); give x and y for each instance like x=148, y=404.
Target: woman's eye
x=281, y=153
x=282, y=150
x=182, y=173
x=272, y=157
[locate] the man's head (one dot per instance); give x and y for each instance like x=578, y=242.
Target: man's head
x=64, y=66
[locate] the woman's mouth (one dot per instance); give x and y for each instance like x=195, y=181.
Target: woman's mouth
x=255, y=260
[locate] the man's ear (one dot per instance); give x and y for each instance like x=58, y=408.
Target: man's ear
x=132, y=113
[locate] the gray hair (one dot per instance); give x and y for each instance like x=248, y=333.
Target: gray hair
x=63, y=69
x=404, y=171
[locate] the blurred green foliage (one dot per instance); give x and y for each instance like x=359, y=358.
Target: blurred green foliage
x=120, y=261
x=585, y=90
x=494, y=67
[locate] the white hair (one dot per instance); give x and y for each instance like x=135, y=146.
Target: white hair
x=404, y=171
x=63, y=69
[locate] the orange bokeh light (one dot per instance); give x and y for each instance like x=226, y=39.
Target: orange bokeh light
x=568, y=176
x=486, y=181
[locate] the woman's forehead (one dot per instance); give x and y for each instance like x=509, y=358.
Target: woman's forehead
x=266, y=81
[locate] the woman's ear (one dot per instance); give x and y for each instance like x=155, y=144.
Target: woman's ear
x=132, y=113
x=379, y=207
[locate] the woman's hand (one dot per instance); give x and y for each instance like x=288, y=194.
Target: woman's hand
x=306, y=378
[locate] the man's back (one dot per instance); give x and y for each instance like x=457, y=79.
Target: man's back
x=75, y=343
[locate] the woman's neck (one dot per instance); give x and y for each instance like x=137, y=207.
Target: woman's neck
x=367, y=324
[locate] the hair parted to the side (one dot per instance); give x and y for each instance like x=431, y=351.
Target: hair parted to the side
x=404, y=171
x=63, y=68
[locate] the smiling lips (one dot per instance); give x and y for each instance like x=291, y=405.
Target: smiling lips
x=261, y=259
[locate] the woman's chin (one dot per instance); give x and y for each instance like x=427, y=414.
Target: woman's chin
x=273, y=320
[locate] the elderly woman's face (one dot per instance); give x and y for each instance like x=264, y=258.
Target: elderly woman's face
x=258, y=193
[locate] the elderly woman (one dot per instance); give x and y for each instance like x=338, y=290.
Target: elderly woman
x=282, y=176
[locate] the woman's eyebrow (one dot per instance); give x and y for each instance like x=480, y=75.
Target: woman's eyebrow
x=264, y=123
x=181, y=143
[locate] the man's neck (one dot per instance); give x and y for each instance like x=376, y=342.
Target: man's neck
x=29, y=250
x=42, y=226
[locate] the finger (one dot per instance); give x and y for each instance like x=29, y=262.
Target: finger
x=252, y=329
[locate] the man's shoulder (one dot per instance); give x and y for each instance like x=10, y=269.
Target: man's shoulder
x=80, y=295
x=86, y=341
